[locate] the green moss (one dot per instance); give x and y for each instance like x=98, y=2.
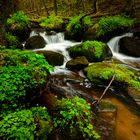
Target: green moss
x=18, y=21
x=76, y=27
x=104, y=71
x=92, y=50
x=12, y=40
x=110, y=23
x=52, y=22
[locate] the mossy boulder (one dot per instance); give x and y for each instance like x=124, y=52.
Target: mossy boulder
x=18, y=24
x=101, y=73
x=94, y=51
x=52, y=23
x=35, y=42
x=111, y=26
x=78, y=63
x=54, y=58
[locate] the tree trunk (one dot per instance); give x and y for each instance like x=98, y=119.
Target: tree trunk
x=7, y=7
x=55, y=6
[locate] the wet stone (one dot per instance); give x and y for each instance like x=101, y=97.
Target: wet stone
x=106, y=120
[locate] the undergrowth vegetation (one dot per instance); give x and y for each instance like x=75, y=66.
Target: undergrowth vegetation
x=18, y=20
x=26, y=124
x=12, y=40
x=22, y=75
x=75, y=116
x=77, y=25
x=52, y=23
x=110, y=23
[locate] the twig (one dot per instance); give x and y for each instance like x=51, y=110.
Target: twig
x=112, y=79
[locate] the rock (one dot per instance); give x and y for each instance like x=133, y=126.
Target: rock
x=64, y=86
x=94, y=51
x=54, y=58
x=35, y=42
x=106, y=121
x=102, y=73
x=130, y=46
x=78, y=63
x=21, y=33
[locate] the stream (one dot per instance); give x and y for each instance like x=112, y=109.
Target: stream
x=127, y=123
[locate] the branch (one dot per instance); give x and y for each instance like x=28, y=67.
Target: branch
x=112, y=79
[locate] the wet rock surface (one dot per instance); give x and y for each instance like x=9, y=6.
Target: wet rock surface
x=54, y=58
x=35, y=42
x=130, y=46
x=77, y=64
x=68, y=86
x=106, y=121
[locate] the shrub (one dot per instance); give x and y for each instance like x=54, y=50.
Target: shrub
x=76, y=26
x=110, y=23
x=26, y=124
x=102, y=72
x=2, y=47
x=12, y=40
x=18, y=21
x=92, y=50
x=22, y=75
x=75, y=115
x=52, y=22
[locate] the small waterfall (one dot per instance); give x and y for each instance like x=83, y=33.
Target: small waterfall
x=57, y=43
x=114, y=46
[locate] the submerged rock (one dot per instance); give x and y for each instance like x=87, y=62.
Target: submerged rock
x=94, y=51
x=78, y=63
x=130, y=46
x=54, y=58
x=106, y=121
x=35, y=42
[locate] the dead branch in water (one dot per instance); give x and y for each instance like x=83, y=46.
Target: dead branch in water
x=112, y=79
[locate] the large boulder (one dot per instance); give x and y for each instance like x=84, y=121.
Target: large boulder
x=130, y=46
x=94, y=51
x=78, y=63
x=54, y=58
x=35, y=42
x=102, y=73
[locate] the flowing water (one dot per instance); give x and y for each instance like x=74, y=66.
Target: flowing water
x=127, y=122
x=57, y=43
x=114, y=46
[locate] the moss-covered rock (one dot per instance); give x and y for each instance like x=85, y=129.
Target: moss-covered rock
x=112, y=23
x=100, y=73
x=94, y=51
x=54, y=58
x=77, y=63
x=35, y=42
x=52, y=23
x=18, y=25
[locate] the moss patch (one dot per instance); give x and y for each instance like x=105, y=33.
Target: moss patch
x=104, y=71
x=92, y=50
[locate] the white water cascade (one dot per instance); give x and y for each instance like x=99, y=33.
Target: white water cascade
x=57, y=43
x=114, y=46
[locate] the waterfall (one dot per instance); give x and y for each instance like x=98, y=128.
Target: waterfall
x=114, y=46
x=57, y=43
